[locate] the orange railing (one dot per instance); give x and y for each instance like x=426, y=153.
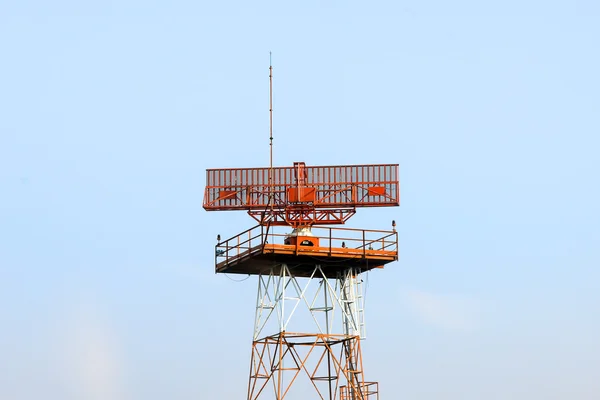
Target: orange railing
x=242, y=244
x=354, y=241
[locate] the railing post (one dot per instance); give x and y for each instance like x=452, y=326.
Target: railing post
x=266, y=234
x=364, y=245
x=329, y=241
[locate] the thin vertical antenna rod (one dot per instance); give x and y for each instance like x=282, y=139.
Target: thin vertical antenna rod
x=271, y=133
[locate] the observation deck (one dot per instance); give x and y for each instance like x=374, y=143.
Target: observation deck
x=259, y=249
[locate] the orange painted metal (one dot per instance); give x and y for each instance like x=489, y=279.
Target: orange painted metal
x=376, y=191
x=249, y=252
x=327, y=360
x=368, y=390
x=304, y=241
x=302, y=195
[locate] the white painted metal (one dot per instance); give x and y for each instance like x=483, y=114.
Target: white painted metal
x=281, y=292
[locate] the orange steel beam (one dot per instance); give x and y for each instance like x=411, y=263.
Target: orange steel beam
x=302, y=216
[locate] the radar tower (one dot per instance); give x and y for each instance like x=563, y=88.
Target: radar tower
x=305, y=263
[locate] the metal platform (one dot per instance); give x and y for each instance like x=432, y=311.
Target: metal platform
x=259, y=250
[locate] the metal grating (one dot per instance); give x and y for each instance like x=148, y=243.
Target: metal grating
x=334, y=186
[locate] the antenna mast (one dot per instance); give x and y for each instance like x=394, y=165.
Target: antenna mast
x=271, y=133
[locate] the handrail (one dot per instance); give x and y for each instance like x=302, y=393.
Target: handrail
x=364, y=240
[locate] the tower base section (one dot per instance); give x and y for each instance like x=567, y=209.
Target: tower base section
x=330, y=363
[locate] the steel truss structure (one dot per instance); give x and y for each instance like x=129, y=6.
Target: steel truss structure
x=331, y=361
x=327, y=360
x=302, y=195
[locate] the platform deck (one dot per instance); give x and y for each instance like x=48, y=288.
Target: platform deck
x=260, y=257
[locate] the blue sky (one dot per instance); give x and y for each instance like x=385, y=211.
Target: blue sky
x=112, y=111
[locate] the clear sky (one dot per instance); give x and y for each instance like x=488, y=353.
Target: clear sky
x=111, y=111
